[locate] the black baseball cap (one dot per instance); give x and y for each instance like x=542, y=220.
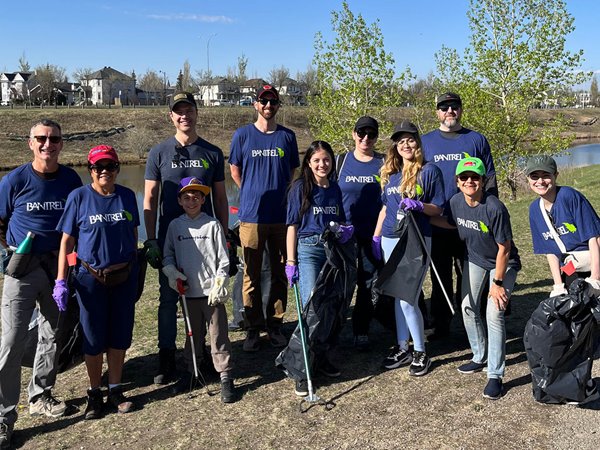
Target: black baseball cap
x=447, y=98
x=266, y=88
x=366, y=122
x=406, y=126
x=543, y=163
x=183, y=97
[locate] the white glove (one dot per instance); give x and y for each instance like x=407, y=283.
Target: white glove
x=558, y=289
x=173, y=275
x=594, y=286
x=218, y=293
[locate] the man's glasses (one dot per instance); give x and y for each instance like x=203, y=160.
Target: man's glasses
x=467, y=177
x=370, y=134
x=447, y=106
x=99, y=168
x=52, y=139
x=264, y=101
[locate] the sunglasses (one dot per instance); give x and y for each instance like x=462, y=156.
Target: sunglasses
x=99, y=168
x=264, y=101
x=467, y=177
x=535, y=177
x=53, y=139
x=446, y=107
x=370, y=134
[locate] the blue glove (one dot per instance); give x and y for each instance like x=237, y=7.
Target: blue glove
x=376, y=247
x=291, y=272
x=409, y=204
x=60, y=294
x=345, y=232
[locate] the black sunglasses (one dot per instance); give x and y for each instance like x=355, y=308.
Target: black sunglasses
x=52, y=139
x=447, y=106
x=370, y=134
x=264, y=101
x=99, y=168
x=466, y=177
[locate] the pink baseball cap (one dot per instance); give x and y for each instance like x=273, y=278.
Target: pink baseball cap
x=102, y=152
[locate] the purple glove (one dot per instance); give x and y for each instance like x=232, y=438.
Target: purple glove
x=291, y=272
x=60, y=294
x=409, y=204
x=345, y=232
x=376, y=247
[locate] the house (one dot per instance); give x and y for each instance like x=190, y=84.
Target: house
x=110, y=87
x=291, y=92
x=249, y=87
x=218, y=91
x=14, y=87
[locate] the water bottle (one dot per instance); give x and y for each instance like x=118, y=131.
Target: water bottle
x=27, y=244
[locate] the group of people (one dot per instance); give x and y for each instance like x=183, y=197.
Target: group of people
x=85, y=239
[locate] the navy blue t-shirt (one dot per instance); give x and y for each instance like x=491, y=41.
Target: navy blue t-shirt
x=429, y=189
x=361, y=192
x=169, y=162
x=575, y=221
x=31, y=203
x=104, y=226
x=325, y=206
x=267, y=161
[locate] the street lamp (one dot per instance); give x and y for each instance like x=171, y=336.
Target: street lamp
x=208, y=53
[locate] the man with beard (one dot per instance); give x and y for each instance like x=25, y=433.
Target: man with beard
x=445, y=147
x=263, y=158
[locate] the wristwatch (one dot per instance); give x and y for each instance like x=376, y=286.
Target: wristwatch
x=497, y=282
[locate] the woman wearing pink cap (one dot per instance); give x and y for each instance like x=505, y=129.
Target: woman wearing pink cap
x=101, y=219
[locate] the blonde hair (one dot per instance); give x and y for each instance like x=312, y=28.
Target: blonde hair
x=410, y=169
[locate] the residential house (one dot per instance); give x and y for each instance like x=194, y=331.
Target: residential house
x=249, y=87
x=291, y=92
x=110, y=87
x=218, y=91
x=14, y=87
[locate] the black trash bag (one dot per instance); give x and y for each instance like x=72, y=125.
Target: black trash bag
x=326, y=310
x=403, y=274
x=560, y=339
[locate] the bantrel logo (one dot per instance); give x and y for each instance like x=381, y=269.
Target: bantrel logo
x=483, y=227
x=280, y=152
x=377, y=178
x=128, y=215
x=418, y=190
x=569, y=226
x=204, y=163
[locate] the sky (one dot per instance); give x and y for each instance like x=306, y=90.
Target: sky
x=161, y=34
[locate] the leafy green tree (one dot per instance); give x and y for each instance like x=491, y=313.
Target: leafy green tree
x=516, y=57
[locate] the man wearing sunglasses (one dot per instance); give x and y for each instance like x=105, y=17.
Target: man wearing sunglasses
x=32, y=199
x=263, y=158
x=445, y=147
x=184, y=155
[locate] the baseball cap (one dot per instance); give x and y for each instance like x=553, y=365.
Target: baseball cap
x=543, y=163
x=406, y=126
x=102, y=152
x=266, y=88
x=192, y=184
x=183, y=97
x=447, y=97
x=366, y=122
x=470, y=164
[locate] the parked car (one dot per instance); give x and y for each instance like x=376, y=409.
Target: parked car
x=245, y=101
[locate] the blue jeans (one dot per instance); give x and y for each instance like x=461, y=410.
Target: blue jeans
x=409, y=320
x=494, y=345
x=311, y=259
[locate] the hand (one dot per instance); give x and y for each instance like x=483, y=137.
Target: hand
x=218, y=293
x=60, y=294
x=291, y=272
x=558, y=289
x=345, y=233
x=499, y=297
x=376, y=248
x=409, y=204
x=593, y=285
x=153, y=253
x=173, y=275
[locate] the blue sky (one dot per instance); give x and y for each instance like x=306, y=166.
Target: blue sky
x=162, y=34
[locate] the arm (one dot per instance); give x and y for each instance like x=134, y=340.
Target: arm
x=498, y=293
x=67, y=244
x=380, y=219
x=291, y=239
x=441, y=222
x=431, y=210
x=3, y=231
x=221, y=204
x=236, y=175
x=151, y=191
x=594, y=246
x=554, y=264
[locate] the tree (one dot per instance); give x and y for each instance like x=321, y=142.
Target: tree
x=516, y=57
x=278, y=75
x=80, y=74
x=47, y=76
x=185, y=82
x=308, y=80
x=242, y=66
x=594, y=92
x=24, y=65
x=153, y=84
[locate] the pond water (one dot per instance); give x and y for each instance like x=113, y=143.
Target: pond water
x=581, y=155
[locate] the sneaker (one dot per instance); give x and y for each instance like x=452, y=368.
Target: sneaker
x=591, y=394
x=166, y=370
x=472, y=367
x=328, y=369
x=233, y=326
x=420, y=364
x=397, y=358
x=361, y=342
x=95, y=403
x=277, y=339
x=252, y=341
x=301, y=388
x=493, y=389
x=46, y=405
x=117, y=400
x=227, y=391
x=6, y=431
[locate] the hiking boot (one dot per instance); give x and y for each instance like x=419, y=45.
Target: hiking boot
x=227, y=391
x=397, y=358
x=471, y=367
x=277, y=339
x=493, y=389
x=361, y=342
x=420, y=364
x=6, y=431
x=166, y=366
x=328, y=369
x=117, y=400
x=301, y=389
x=46, y=405
x=252, y=341
x=95, y=403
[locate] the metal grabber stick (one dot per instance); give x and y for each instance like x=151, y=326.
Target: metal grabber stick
x=188, y=325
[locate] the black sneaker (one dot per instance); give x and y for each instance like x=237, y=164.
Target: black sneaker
x=118, y=401
x=95, y=403
x=301, y=388
x=420, y=364
x=328, y=369
x=493, y=389
x=397, y=358
x=227, y=391
x=166, y=370
x=471, y=367
x=6, y=431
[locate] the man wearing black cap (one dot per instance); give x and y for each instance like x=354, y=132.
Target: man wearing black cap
x=183, y=155
x=263, y=158
x=444, y=147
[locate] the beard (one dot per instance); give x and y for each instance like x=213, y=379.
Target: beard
x=267, y=114
x=450, y=122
